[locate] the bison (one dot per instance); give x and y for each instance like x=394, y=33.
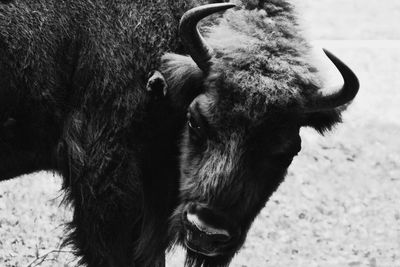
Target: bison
x=74, y=100
x=142, y=174
x=247, y=88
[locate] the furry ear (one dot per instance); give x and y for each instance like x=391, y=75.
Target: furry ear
x=184, y=79
x=322, y=121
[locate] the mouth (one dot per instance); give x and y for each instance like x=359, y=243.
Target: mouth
x=204, y=239
x=198, y=244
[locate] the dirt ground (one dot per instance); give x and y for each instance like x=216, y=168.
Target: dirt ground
x=339, y=205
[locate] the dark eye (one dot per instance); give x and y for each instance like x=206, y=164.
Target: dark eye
x=194, y=125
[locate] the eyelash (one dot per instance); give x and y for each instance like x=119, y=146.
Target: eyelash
x=196, y=128
x=193, y=124
x=196, y=135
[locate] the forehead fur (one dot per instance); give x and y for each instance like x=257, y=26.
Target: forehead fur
x=261, y=64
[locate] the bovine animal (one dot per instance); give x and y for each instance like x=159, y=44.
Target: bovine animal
x=74, y=100
x=248, y=87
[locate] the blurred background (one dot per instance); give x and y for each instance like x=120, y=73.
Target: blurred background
x=339, y=205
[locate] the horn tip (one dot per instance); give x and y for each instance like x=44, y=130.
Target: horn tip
x=328, y=53
x=341, y=65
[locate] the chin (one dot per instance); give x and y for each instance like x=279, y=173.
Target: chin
x=205, y=246
x=196, y=259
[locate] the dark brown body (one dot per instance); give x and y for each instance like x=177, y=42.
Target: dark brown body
x=194, y=168
x=73, y=100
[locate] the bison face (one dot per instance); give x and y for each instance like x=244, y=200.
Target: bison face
x=245, y=109
x=229, y=168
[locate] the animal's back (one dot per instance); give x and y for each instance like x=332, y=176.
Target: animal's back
x=73, y=75
x=67, y=53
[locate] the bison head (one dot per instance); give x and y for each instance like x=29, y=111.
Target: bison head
x=246, y=100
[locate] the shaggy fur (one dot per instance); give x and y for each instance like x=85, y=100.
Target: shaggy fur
x=73, y=100
x=250, y=104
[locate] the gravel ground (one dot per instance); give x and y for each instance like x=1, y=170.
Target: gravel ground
x=339, y=204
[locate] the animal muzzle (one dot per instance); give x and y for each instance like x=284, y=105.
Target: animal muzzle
x=207, y=231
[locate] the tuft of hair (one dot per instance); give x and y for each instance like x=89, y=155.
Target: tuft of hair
x=181, y=72
x=263, y=58
x=323, y=121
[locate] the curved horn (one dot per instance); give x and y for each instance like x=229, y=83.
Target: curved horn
x=194, y=43
x=343, y=94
